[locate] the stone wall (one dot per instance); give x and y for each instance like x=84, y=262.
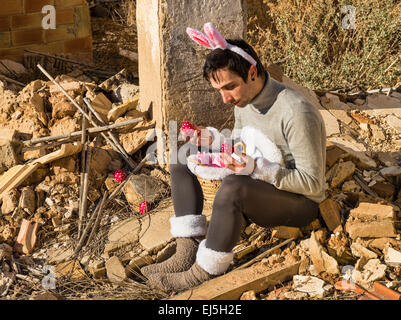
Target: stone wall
x=21, y=28
x=170, y=64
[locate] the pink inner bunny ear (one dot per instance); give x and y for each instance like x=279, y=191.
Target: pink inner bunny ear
x=215, y=35
x=199, y=37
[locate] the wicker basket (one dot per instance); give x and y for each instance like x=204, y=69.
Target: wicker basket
x=209, y=188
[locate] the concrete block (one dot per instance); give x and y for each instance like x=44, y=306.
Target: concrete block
x=170, y=64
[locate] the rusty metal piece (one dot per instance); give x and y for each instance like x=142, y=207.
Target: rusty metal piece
x=26, y=237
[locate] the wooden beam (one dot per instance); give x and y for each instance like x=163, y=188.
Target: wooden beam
x=230, y=286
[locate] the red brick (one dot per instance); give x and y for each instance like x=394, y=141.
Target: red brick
x=36, y=5
x=69, y=3
x=5, y=39
x=8, y=7
x=4, y=24
x=64, y=32
x=78, y=45
x=65, y=16
x=24, y=37
x=26, y=21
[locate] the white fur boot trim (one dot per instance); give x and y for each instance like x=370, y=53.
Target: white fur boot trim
x=192, y=225
x=213, y=262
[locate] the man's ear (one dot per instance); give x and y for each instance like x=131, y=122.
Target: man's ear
x=253, y=73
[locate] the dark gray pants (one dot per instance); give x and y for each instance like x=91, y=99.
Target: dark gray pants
x=239, y=196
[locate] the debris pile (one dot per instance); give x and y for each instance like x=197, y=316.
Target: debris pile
x=58, y=188
x=82, y=209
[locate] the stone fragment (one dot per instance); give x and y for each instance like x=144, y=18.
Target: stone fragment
x=333, y=154
x=9, y=151
x=120, y=110
x=351, y=186
x=115, y=270
x=143, y=187
x=341, y=172
x=392, y=171
x=311, y=285
x=284, y=232
x=383, y=105
x=355, y=150
x=28, y=199
x=360, y=251
x=372, y=271
x=10, y=201
x=102, y=105
x=372, y=212
x=384, y=190
x=248, y=295
x=124, y=232
x=332, y=103
x=370, y=229
x=321, y=260
x=6, y=251
x=71, y=270
x=394, y=122
x=338, y=248
x=330, y=211
x=133, y=141
x=392, y=257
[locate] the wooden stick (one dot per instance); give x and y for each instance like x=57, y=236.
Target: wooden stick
x=363, y=185
x=264, y=254
x=86, y=230
x=84, y=113
x=124, y=154
x=84, y=203
x=83, y=166
x=12, y=81
x=77, y=134
x=99, y=216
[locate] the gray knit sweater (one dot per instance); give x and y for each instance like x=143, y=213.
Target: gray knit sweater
x=297, y=128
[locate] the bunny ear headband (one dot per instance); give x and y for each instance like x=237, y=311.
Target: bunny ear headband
x=213, y=40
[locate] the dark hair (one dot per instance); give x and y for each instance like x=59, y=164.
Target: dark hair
x=222, y=58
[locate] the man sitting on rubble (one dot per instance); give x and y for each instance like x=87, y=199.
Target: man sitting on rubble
x=260, y=191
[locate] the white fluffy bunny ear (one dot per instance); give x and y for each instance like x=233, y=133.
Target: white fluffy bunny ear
x=199, y=38
x=214, y=35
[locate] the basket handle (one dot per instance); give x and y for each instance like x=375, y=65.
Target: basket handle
x=241, y=145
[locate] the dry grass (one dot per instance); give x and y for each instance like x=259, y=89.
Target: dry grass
x=307, y=38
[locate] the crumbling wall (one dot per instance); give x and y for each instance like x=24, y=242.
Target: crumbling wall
x=21, y=28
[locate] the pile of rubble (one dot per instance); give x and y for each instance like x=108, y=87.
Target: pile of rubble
x=47, y=147
x=54, y=242
x=355, y=253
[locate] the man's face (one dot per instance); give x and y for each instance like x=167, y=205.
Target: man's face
x=232, y=87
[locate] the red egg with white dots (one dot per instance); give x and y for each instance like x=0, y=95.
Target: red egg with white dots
x=227, y=148
x=187, y=128
x=119, y=175
x=144, y=207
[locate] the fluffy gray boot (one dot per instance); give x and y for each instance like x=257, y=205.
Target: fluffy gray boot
x=188, y=230
x=181, y=280
x=181, y=260
x=208, y=264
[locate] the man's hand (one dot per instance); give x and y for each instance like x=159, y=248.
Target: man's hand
x=201, y=136
x=245, y=167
